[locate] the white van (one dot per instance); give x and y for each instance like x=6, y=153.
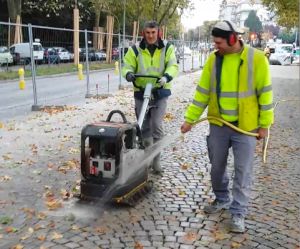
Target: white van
x=22, y=50
x=281, y=54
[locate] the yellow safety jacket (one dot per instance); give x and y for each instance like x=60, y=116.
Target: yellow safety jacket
x=243, y=94
x=138, y=60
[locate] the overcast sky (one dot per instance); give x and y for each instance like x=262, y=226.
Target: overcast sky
x=205, y=10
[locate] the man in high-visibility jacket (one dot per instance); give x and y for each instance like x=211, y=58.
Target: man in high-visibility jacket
x=155, y=57
x=235, y=85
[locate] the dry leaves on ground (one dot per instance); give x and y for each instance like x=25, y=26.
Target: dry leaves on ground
x=138, y=245
x=190, y=236
x=57, y=235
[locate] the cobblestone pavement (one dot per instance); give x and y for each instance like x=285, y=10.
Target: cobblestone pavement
x=39, y=172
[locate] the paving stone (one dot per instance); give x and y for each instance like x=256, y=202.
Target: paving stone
x=76, y=239
x=170, y=239
x=155, y=232
x=172, y=245
x=186, y=246
x=72, y=245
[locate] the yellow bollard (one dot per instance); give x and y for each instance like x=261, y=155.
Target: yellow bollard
x=116, y=67
x=80, y=73
x=21, y=79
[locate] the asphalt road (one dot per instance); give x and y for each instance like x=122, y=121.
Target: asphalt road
x=69, y=90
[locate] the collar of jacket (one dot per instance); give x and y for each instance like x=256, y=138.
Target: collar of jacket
x=143, y=44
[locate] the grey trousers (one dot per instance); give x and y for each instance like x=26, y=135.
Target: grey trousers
x=219, y=141
x=153, y=122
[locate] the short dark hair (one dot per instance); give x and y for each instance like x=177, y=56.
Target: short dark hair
x=151, y=24
x=216, y=32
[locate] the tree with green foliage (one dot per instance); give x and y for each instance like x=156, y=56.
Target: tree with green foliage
x=287, y=36
x=205, y=30
x=286, y=11
x=253, y=22
x=14, y=9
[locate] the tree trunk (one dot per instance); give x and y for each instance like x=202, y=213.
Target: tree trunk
x=97, y=19
x=96, y=36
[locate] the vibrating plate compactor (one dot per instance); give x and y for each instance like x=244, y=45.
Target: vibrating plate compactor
x=110, y=157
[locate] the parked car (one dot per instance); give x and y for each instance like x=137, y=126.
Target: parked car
x=91, y=54
x=63, y=53
x=22, y=52
x=100, y=55
x=5, y=56
x=295, y=56
x=51, y=56
x=281, y=54
x=115, y=53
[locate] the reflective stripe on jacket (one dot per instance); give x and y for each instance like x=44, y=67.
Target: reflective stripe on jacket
x=162, y=62
x=245, y=92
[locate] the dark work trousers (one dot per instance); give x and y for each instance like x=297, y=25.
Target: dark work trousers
x=153, y=122
x=220, y=139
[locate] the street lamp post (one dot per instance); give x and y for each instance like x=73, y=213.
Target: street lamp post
x=124, y=19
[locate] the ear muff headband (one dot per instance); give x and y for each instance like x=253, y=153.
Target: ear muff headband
x=232, y=38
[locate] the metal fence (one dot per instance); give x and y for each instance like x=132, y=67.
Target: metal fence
x=51, y=47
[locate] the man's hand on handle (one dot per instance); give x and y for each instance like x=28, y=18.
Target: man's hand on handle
x=130, y=77
x=185, y=127
x=262, y=133
x=162, y=81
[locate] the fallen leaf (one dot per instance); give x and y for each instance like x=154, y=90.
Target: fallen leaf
x=28, y=234
x=185, y=166
x=235, y=245
x=41, y=237
x=138, y=245
x=18, y=246
x=29, y=211
x=41, y=215
x=168, y=117
x=220, y=235
x=181, y=192
x=100, y=230
x=65, y=194
x=56, y=235
x=11, y=229
x=6, y=220
x=74, y=151
x=7, y=157
x=74, y=227
x=53, y=204
x=50, y=166
x=5, y=178
x=190, y=236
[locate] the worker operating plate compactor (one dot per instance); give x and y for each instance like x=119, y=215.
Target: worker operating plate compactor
x=112, y=157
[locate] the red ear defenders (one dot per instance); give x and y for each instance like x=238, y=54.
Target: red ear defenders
x=232, y=38
x=159, y=34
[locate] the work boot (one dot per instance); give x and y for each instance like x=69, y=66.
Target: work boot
x=237, y=224
x=156, y=167
x=216, y=206
x=147, y=142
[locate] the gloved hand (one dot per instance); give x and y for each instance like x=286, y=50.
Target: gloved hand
x=162, y=81
x=130, y=77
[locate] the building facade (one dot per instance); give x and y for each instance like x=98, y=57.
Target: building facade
x=237, y=11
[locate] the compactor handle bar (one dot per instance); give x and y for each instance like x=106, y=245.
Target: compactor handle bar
x=118, y=112
x=146, y=76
